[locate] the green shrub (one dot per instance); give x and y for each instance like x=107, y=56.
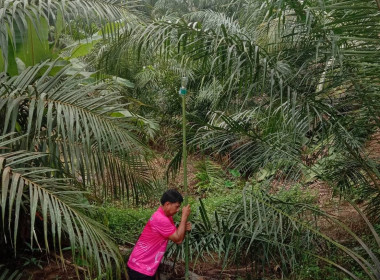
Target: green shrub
x=296, y=194
x=215, y=202
x=126, y=224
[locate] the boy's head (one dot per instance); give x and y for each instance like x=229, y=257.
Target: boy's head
x=172, y=196
x=171, y=201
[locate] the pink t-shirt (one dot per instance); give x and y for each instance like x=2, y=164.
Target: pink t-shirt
x=151, y=246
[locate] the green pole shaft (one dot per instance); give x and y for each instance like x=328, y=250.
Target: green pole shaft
x=184, y=154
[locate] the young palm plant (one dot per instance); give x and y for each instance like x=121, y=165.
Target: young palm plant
x=261, y=231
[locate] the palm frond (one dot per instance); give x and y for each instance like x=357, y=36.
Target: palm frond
x=17, y=18
x=5, y=273
x=72, y=121
x=256, y=138
x=62, y=208
x=229, y=55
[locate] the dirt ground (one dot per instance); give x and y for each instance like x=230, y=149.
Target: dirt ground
x=52, y=268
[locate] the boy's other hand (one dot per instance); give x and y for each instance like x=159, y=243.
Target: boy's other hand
x=188, y=226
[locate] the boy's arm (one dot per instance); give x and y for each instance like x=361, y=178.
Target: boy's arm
x=179, y=234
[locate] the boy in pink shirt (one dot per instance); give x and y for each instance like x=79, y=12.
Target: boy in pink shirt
x=151, y=245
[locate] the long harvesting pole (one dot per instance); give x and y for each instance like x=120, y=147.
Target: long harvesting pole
x=183, y=92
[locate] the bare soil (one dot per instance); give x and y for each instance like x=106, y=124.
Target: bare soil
x=53, y=268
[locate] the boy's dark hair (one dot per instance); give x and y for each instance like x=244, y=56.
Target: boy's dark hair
x=172, y=196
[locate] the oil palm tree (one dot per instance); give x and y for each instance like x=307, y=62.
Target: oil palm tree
x=66, y=144
x=76, y=145
x=295, y=85
x=299, y=76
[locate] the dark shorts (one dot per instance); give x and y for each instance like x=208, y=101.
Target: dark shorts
x=134, y=275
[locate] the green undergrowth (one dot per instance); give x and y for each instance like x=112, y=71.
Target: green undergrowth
x=126, y=224
x=296, y=194
x=311, y=268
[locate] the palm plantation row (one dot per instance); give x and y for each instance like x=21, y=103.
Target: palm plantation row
x=281, y=92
